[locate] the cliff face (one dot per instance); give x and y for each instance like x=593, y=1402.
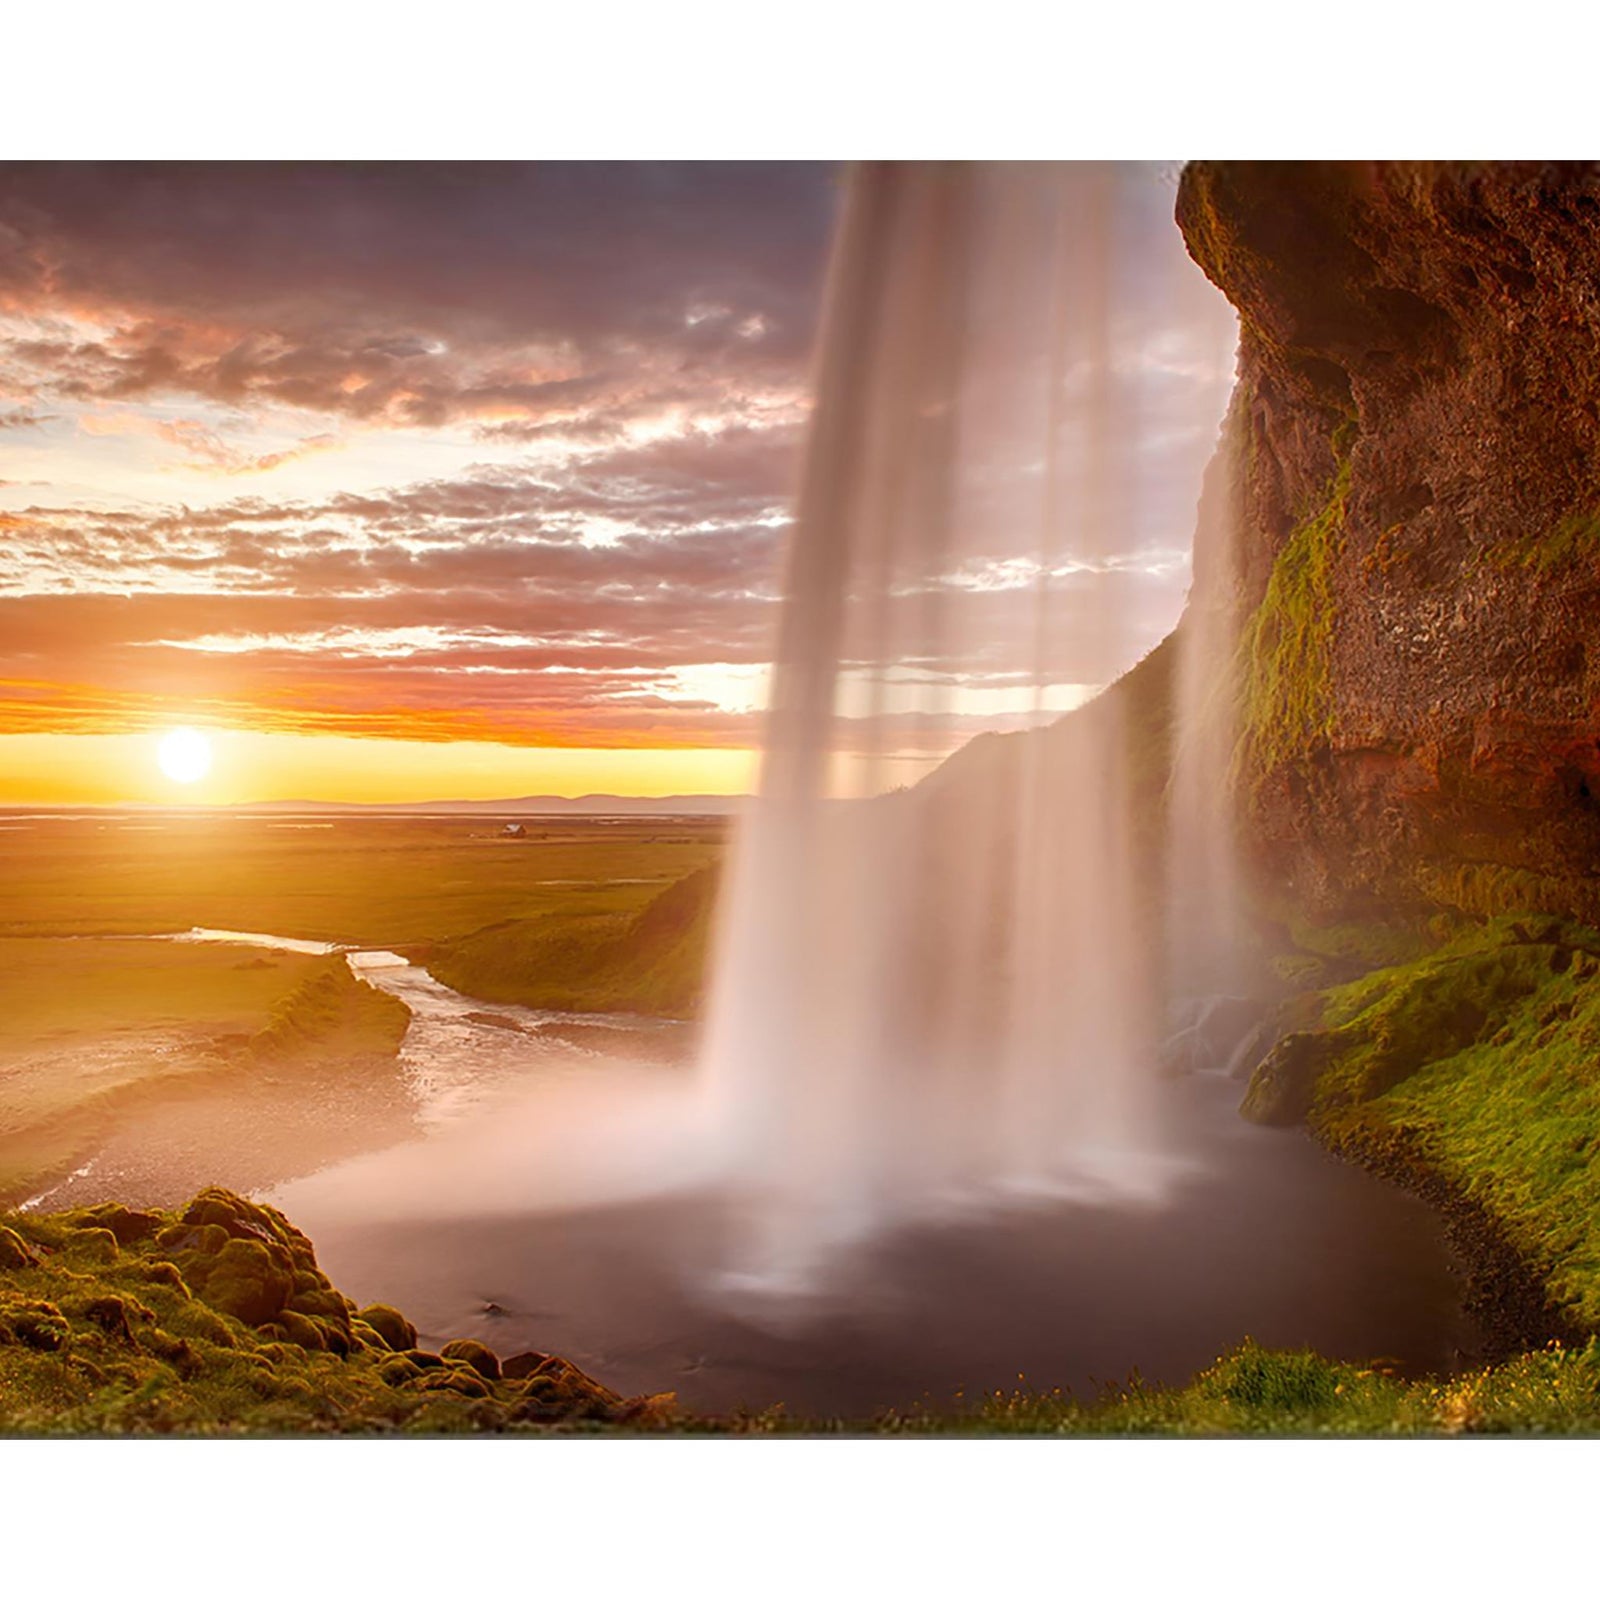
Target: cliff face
x=1414, y=471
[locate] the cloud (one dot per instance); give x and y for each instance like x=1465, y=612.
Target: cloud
x=504, y=452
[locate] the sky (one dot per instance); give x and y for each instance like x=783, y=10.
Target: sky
x=430, y=481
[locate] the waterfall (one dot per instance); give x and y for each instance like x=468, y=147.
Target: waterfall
x=939, y=979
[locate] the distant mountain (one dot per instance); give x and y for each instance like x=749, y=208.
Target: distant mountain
x=542, y=805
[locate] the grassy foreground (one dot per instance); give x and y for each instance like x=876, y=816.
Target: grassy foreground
x=214, y=1318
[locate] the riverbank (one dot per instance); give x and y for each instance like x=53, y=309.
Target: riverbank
x=1467, y=1075
x=140, y=1045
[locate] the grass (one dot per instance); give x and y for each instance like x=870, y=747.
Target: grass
x=386, y=882
x=1484, y=1057
x=1252, y=1391
x=654, y=961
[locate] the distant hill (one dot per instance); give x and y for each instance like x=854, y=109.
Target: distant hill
x=587, y=805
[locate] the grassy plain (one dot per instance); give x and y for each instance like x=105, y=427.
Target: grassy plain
x=97, y=1019
x=391, y=882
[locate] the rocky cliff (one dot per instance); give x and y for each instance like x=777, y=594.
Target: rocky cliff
x=1413, y=474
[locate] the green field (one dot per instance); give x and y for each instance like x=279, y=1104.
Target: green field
x=389, y=882
x=97, y=1019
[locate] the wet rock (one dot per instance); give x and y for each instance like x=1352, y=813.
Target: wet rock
x=1281, y=1088
x=390, y=1326
x=1214, y=1029
x=478, y=1356
x=523, y=1365
x=1412, y=558
x=15, y=1251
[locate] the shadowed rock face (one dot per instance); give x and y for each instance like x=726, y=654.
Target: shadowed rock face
x=1415, y=444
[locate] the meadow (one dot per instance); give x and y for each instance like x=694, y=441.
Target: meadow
x=100, y=1019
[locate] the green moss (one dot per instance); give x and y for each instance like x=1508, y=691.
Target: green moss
x=1286, y=647
x=1573, y=542
x=1368, y=944
x=1484, y=1057
x=121, y=1344
x=1484, y=889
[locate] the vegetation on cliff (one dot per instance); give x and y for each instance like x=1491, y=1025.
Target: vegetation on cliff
x=1288, y=707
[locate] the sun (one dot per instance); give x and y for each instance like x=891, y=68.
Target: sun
x=185, y=755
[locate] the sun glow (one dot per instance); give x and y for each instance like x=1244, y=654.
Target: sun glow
x=185, y=755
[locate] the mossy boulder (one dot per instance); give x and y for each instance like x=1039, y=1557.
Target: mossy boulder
x=217, y=1319
x=1283, y=1087
x=302, y=1331
x=390, y=1326
x=479, y=1357
x=454, y=1378
x=125, y=1225
x=246, y=1280
x=523, y=1365
x=15, y=1251
x=38, y=1324
x=95, y=1244
x=115, y=1316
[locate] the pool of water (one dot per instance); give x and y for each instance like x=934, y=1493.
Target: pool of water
x=1258, y=1234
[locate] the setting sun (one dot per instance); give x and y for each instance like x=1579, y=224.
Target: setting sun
x=185, y=755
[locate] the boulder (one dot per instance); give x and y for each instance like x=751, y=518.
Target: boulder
x=15, y=1251
x=1281, y=1088
x=523, y=1365
x=247, y=1282
x=125, y=1225
x=390, y=1326
x=478, y=1356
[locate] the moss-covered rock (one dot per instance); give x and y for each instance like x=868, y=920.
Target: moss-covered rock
x=193, y=1325
x=478, y=1356
x=1283, y=1087
x=125, y=1225
x=15, y=1251
x=38, y=1324
x=246, y=1280
x=524, y=1364
x=390, y=1326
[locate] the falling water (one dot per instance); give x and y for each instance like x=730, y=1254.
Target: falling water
x=929, y=991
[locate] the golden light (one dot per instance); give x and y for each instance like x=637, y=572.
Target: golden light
x=185, y=755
